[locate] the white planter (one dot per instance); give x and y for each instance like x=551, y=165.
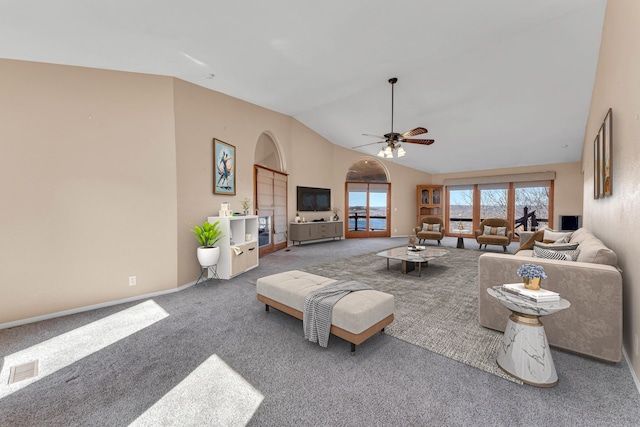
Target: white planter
x=208, y=256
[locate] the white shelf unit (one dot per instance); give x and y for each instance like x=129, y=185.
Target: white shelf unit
x=235, y=230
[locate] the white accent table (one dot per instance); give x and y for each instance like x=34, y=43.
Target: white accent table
x=525, y=352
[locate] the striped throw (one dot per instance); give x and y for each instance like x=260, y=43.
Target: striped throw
x=318, y=308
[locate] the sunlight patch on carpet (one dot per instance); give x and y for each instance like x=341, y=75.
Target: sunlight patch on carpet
x=68, y=348
x=213, y=394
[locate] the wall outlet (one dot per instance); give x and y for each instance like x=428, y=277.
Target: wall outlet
x=635, y=345
x=132, y=280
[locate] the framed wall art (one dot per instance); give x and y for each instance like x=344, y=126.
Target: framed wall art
x=602, y=158
x=596, y=167
x=606, y=153
x=224, y=167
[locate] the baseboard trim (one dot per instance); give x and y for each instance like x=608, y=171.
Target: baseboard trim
x=92, y=307
x=633, y=373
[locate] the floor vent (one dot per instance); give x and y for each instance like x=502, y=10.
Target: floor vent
x=23, y=372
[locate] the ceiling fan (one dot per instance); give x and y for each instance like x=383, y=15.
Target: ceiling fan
x=393, y=139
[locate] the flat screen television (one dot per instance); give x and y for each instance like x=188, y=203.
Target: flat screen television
x=570, y=222
x=313, y=199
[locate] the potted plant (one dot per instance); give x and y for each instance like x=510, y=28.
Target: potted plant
x=208, y=235
x=246, y=204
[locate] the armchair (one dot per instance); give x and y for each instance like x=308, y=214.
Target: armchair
x=430, y=228
x=494, y=231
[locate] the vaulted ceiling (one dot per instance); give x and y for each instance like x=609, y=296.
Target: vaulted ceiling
x=498, y=83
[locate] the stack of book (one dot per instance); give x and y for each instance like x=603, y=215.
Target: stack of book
x=542, y=295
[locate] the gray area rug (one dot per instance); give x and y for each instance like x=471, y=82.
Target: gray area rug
x=438, y=311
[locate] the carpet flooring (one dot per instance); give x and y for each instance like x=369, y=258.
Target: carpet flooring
x=209, y=355
x=437, y=311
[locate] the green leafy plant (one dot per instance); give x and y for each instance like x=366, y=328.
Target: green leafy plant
x=208, y=234
x=246, y=203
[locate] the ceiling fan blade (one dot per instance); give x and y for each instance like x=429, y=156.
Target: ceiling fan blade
x=364, y=145
x=420, y=141
x=414, y=132
x=375, y=136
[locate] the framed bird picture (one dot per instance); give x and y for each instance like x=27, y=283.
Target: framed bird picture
x=224, y=168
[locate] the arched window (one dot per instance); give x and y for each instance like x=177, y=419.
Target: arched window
x=368, y=195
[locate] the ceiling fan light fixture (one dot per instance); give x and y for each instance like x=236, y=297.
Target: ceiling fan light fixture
x=394, y=139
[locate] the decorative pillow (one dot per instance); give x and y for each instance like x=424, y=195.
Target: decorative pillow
x=430, y=227
x=536, y=237
x=565, y=239
x=495, y=231
x=556, y=246
x=568, y=255
x=554, y=235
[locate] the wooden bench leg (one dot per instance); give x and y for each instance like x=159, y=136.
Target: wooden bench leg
x=266, y=308
x=353, y=349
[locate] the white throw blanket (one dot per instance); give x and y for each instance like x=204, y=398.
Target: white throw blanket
x=318, y=308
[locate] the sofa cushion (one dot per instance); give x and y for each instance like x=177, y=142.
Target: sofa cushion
x=524, y=253
x=556, y=246
x=579, y=235
x=563, y=255
x=593, y=250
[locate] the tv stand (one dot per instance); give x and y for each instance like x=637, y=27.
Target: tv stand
x=303, y=232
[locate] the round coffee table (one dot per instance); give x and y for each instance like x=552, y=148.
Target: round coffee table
x=525, y=352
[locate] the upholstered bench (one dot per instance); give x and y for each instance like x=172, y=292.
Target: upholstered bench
x=356, y=317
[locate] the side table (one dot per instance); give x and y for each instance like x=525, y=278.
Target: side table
x=525, y=352
x=461, y=235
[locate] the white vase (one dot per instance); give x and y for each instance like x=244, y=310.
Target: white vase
x=208, y=256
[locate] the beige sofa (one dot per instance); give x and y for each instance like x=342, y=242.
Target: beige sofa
x=592, y=326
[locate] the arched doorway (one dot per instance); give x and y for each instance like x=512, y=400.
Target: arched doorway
x=368, y=198
x=270, y=194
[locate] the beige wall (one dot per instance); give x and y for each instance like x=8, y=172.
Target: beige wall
x=614, y=218
x=200, y=116
x=567, y=186
x=87, y=183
